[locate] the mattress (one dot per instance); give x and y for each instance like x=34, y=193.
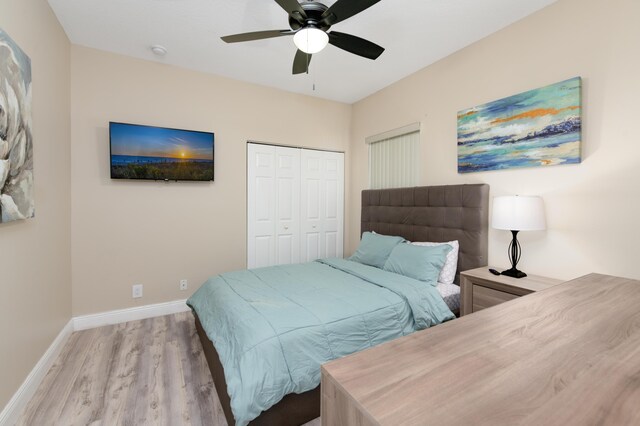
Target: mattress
x=451, y=295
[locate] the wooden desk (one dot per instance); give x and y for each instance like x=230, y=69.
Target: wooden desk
x=566, y=355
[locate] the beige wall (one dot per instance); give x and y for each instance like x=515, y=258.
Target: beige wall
x=123, y=232
x=126, y=232
x=592, y=208
x=35, y=263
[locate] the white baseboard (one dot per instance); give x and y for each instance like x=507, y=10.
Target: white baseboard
x=119, y=316
x=11, y=413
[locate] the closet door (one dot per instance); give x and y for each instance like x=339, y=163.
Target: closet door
x=273, y=205
x=287, y=196
x=334, y=204
x=311, y=205
x=322, y=205
x=261, y=206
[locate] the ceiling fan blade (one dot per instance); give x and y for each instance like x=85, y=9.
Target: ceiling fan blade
x=355, y=45
x=257, y=35
x=293, y=8
x=344, y=9
x=301, y=62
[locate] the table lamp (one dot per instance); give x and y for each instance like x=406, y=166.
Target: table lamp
x=517, y=213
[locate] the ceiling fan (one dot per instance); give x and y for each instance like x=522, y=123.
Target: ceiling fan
x=310, y=22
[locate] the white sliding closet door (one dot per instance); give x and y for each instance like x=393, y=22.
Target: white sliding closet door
x=287, y=205
x=322, y=204
x=295, y=205
x=261, y=205
x=334, y=204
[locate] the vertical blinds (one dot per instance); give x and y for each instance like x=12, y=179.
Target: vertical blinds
x=393, y=162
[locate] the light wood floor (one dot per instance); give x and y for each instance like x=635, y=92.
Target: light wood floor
x=149, y=372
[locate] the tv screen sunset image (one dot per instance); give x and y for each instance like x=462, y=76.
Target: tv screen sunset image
x=144, y=152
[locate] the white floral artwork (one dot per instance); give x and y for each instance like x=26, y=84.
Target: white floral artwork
x=16, y=139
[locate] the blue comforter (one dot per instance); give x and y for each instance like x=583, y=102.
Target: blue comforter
x=273, y=327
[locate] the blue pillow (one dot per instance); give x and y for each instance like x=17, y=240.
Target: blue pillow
x=374, y=249
x=423, y=263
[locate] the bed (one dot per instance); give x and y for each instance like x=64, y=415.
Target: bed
x=360, y=315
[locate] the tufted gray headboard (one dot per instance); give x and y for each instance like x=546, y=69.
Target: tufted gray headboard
x=433, y=213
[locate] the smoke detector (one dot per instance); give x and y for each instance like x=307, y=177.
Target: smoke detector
x=158, y=50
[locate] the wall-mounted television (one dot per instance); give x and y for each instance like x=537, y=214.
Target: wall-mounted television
x=160, y=153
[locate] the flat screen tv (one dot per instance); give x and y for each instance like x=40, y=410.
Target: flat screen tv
x=159, y=153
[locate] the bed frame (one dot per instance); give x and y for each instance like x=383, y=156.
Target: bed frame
x=426, y=213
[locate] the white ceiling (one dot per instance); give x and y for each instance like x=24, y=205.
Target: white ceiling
x=415, y=33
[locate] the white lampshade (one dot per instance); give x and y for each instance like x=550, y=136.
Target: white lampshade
x=311, y=40
x=518, y=213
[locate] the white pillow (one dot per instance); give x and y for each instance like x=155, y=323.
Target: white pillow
x=448, y=272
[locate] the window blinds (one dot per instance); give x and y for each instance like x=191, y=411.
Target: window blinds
x=393, y=162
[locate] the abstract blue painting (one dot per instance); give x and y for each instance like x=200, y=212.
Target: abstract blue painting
x=541, y=127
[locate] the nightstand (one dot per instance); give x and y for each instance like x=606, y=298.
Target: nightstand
x=480, y=289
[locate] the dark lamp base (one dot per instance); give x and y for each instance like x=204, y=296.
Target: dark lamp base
x=513, y=272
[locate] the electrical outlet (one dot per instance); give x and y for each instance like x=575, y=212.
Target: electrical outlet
x=184, y=284
x=136, y=291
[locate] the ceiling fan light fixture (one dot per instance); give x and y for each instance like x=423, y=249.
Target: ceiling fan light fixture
x=311, y=40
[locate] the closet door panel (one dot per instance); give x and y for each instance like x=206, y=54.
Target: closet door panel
x=260, y=205
x=287, y=205
x=331, y=244
x=312, y=205
x=312, y=249
x=333, y=204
